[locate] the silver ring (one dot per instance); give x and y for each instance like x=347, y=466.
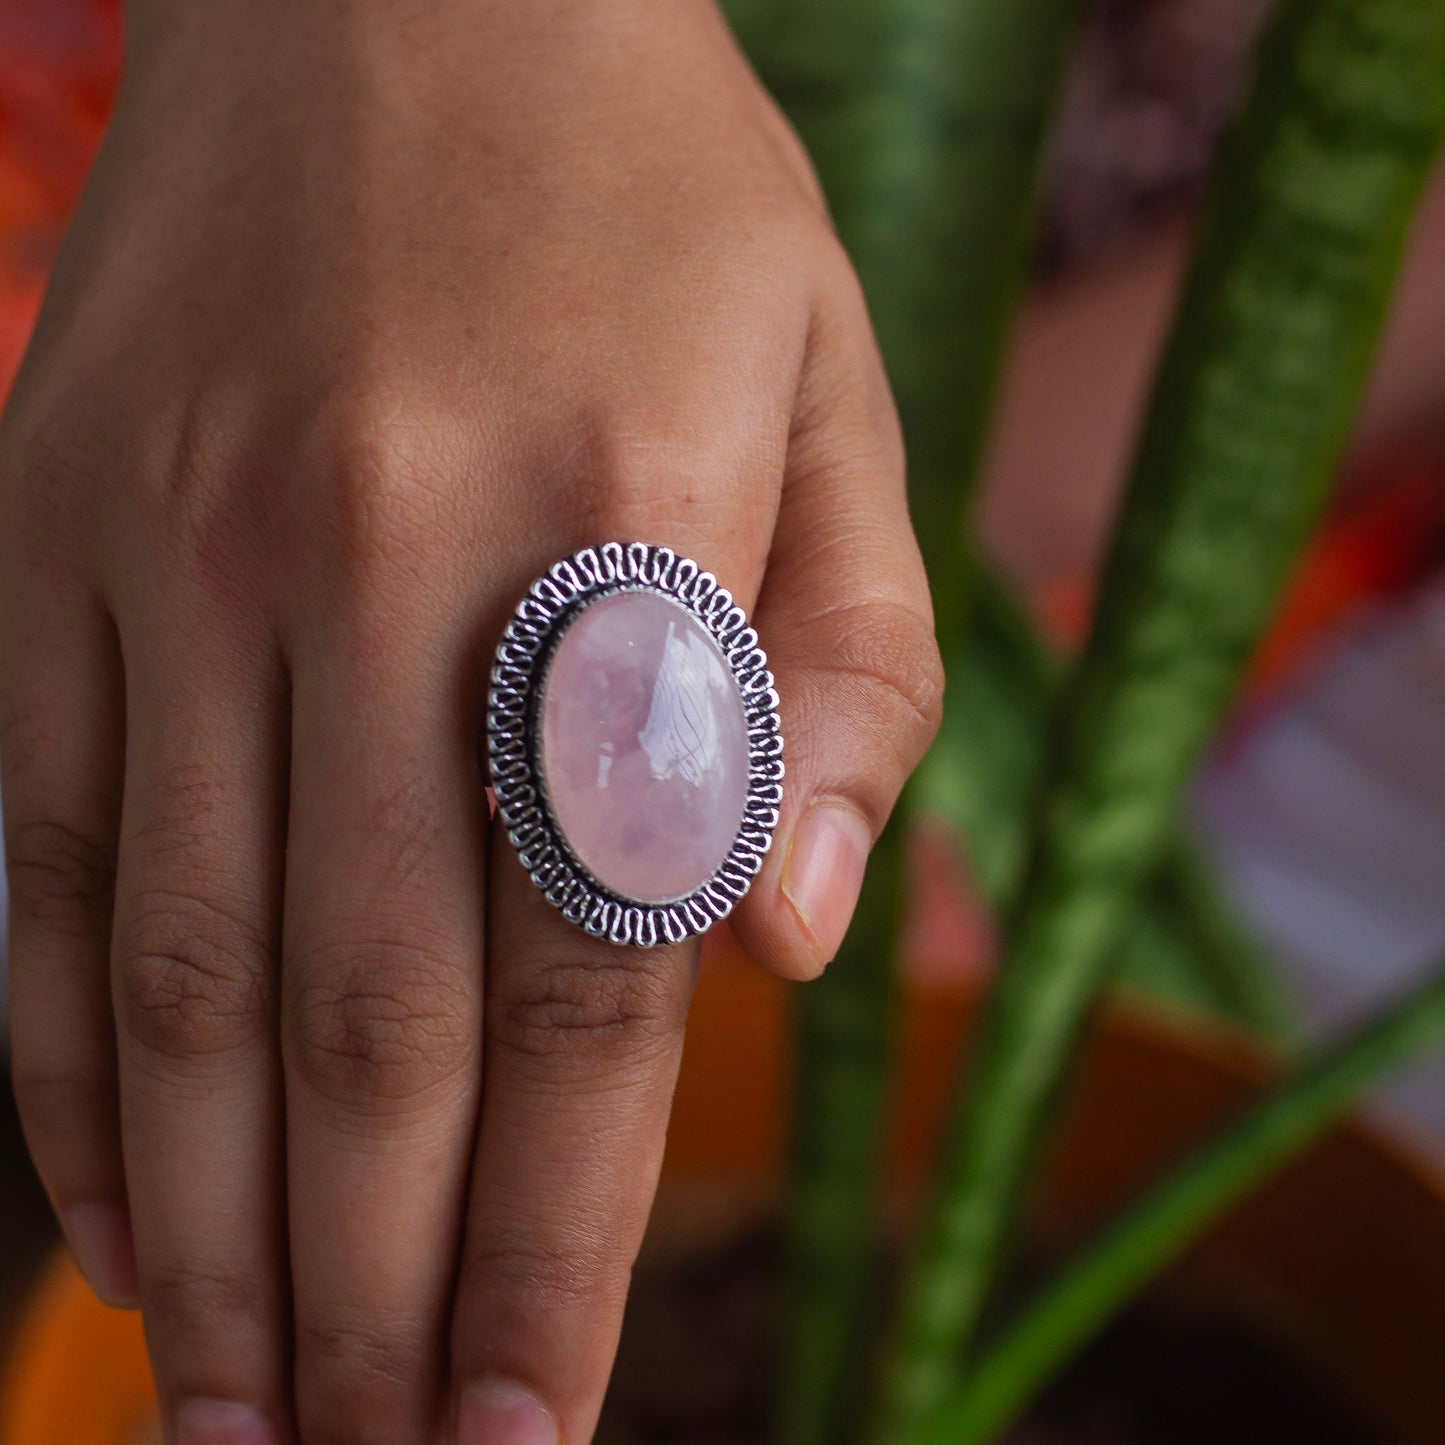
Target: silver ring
x=633, y=743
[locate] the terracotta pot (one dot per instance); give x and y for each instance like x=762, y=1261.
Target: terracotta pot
x=1344, y=1253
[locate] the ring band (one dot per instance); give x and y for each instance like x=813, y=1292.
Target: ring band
x=634, y=744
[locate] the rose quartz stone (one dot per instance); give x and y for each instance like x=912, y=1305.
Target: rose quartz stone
x=644, y=746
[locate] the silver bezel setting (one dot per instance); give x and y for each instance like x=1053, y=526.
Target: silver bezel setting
x=551, y=604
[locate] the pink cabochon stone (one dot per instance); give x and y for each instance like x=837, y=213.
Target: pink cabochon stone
x=644, y=746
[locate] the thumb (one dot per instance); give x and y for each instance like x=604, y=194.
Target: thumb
x=846, y=617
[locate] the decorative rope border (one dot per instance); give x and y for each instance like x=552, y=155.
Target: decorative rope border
x=521, y=660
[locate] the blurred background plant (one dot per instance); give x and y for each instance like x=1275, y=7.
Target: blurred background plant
x=930, y=124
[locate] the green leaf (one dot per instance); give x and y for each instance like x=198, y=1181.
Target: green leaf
x=1185, y=944
x=1182, y=946
x=1153, y=1231
x=926, y=120
x=1295, y=258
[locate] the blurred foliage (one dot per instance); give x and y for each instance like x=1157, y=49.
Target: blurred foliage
x=928, y=120
x=1182, y=943
x=1153, y=1231
x=1294, y=262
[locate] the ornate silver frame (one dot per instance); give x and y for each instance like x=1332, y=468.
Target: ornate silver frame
x=518, y=674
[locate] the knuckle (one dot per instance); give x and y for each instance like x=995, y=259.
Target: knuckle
x=181, y=505
x=381, y=1023
x=891, y=654
x=189, y=482
x=200, y=501
x=552, y=1277
x=382, y=462
x=646, y=472
x=354, y=1378
x=192, y=978
x=201, y=1301
x=628, y=460
x=59, y=874
x=210, y=510
x=589, y=1014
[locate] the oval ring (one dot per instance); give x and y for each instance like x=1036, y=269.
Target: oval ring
x=598, y=713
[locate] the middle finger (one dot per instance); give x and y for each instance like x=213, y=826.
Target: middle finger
x=381, y=1008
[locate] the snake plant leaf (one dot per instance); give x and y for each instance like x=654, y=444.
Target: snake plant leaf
x=1155, y=1229
x=926, y=121
x=1183, y=946
x=1295, y=258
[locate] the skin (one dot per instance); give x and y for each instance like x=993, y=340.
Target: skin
x=369, y=312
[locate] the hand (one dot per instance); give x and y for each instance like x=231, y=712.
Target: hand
x=370, y=312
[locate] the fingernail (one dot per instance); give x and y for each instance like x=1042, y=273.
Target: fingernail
x=104, y=1249
x=222, y=1422
x=498, y=1412
x=823, y=874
